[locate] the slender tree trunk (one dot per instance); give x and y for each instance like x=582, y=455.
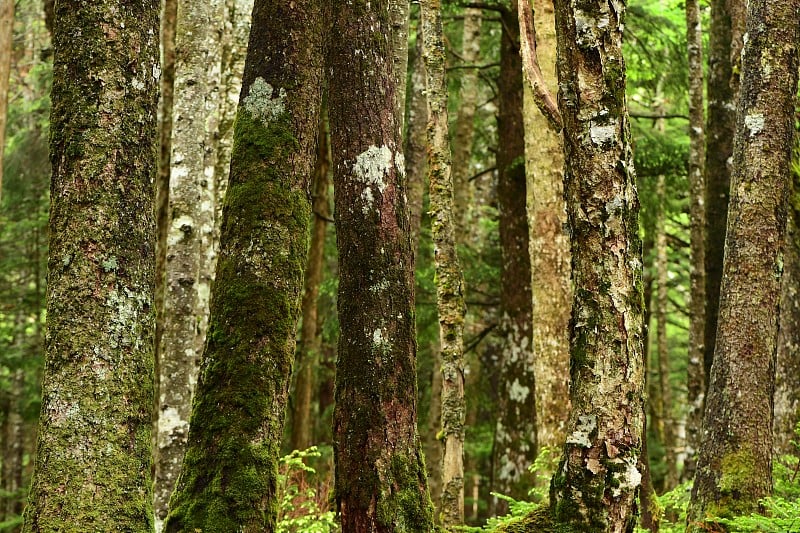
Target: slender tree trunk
x=380, y=473
x=6, y=42
x=787, y=375
x=596, y=484
x=725, y=44
x=549, y=248
x=434, y=455
x=398, y=17
x=15, y=447
x=449, y=277
x=229, y=475
x=465, y=119
x=734, y=469
x=93, y=458
x=310, y=342
x=695, y=368
x=648, y=516
x=415, y=156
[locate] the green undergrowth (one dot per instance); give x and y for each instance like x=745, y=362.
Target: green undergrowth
x=303, y=495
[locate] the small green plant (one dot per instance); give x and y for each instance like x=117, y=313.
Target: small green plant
x=304, y=502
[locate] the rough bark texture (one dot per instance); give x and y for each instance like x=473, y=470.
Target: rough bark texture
x=449, y=277
x=380, y=473
x=188, y=244
x=725, y=44
x=310, y=342
x=93, y=459
x=416, y=158
x=465, y=119
x=229, y=475
x=515, y=434
x=734, y=467
x=596, y=483
x=787, y=375
x=695, y=368
x=551, y=286
x=6, y=40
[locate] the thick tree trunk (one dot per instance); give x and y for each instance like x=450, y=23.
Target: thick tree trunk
x=449, y=277
x=551, y=286
x=6, y=41
x=787, y=375
x=695, y=369
x=465, y=119
x=229, y=476
x=380, y=474
x=188, y=245
x=725, y=45
x=93, y=459
x=596, y=484
x=310, y=341
x=515, y=435
x=735, y=463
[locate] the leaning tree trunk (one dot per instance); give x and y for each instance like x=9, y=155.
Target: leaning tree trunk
x=695, y=369
x=515, y=434
x=190, y=207
x=229, y=474
x=551, y=286
x=93, y=458
x=734, y=469
x=380, y=474
x=596, y=483
x=449, y=277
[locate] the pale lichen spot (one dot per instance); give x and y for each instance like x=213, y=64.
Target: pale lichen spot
x=603, y=133
x=380, y=342
x=109, y=264
x=518, y=392
x=180, y=228
x=373, y=165
x=754, y=124
x=170, y=420
x=400, y=164
x=581, y=436
x=263, y=102
x=628, y=479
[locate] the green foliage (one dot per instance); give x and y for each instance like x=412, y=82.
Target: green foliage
x=302, y=495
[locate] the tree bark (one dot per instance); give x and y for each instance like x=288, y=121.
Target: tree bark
x=551, y=286
x=595, y=486
x=93, y=457
x=515, y=434
x=6, y=42
x=380, y=474
x=310, y=342
x=449, y=277
x=229, y=474
x=695, y=369
x=735, y=463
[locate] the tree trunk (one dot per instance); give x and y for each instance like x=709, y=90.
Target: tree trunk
x=309, y=348
x=695, y=368
x=734, y=469
x=398, y=18
x=787, y=375
x=725, y=44
x=465, y=119
x=415, y=155
x=6, y=42
x=515, y=435
x=93, y=458
x=229, y=475
x=449, y=277
x=595, y=486
x=380, y=474
x=549, y=248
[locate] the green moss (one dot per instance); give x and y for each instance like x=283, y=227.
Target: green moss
x=538, y=521
x=408, y=509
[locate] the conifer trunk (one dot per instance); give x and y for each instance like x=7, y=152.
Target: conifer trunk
x=595, y=486
x=380, y=474
x=229, y=474
x=734, y=469
x=93, y=457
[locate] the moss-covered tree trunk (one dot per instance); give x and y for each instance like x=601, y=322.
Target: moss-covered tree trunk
x=695, y=370
x=229, y=476
x=787, y=374
x=734, y=468
x=188, y=246
x=449, y=277
x=724, y=47
x=551, y=286
x=309, y=346
x=6, y=35
x=515, y=434
x=595, y=486
x=93, y=458
x=380, y=474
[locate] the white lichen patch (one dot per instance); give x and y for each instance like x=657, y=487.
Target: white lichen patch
x=603, y=133
x=380, y=341
x=263, y=102
x=180, y=228
x=754, y=124
x=371, y=168
x=581, y=436
x=400, y=164
x=628, y=479
x=170, y=420
x=380, y=287
x=518, y=392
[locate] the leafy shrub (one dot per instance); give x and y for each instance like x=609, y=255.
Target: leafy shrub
x=303, y=496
